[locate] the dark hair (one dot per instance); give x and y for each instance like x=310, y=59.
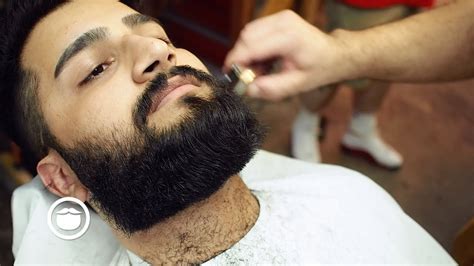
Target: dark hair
x=20, y=112
x=131, y=3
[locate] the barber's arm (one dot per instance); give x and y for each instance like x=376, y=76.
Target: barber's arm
x=433, y=46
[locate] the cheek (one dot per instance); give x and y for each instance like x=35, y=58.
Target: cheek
x=184, y=57
x=106, y=108
x=97, y=112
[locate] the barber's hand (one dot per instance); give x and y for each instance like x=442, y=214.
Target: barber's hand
x=308, y=57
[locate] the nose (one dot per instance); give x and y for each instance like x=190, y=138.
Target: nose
x=151, y=56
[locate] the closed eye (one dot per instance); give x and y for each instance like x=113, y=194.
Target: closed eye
x=166, y=40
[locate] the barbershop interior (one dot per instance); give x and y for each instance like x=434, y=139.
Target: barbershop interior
x=418, y=145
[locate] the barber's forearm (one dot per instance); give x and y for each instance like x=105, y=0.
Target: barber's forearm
x=434, y=46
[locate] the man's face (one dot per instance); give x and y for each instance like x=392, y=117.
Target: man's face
x=145, y=134
x=96, y=88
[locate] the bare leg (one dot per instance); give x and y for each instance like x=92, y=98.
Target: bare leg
x=315, y=100
x=363, y=134
x=305, y=129
x=369, y=100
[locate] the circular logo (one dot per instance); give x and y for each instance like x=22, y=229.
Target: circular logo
x=68, y=218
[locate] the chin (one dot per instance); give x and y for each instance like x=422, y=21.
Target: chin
x=169, y=117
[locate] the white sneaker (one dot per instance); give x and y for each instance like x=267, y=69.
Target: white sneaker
x=363, y=137
x=304, y=138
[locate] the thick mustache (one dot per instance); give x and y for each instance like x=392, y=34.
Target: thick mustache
x=145, y=101
x=158, y=84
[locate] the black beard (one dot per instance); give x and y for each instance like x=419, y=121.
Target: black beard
x=138, y=181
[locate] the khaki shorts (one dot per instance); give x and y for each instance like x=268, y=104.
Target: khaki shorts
x=341, y=16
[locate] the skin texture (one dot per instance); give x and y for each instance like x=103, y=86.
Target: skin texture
x=289, y=38
x=123, y=66
x=200, y=232
x=433, y=46
x=67, y=106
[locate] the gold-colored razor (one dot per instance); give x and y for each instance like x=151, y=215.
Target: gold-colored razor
x=240, y=78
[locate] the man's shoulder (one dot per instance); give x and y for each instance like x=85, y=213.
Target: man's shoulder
x=283, y=177
x=276, y=170
x=35, y=243
x=268, y=165
x=320, y=210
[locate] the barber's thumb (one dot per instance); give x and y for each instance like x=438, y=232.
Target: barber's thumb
x=274, y=87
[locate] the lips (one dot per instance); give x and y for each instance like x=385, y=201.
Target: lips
x=177, y=87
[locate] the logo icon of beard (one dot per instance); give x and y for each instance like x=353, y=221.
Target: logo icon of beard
x=68, y=219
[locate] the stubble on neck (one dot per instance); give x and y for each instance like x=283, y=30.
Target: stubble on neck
x=201, y=231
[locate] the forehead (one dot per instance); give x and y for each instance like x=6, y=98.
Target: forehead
x=55, y=32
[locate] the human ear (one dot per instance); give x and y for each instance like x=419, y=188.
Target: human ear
x=59, y=178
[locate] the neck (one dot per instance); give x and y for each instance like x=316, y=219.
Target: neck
x=201, y=231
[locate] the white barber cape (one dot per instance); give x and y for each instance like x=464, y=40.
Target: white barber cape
x=308, y=214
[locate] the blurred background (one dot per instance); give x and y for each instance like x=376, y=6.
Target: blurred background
x=431, y=125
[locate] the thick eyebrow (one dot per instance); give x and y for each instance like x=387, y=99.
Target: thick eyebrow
x=84, y=41
x=138, y=19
